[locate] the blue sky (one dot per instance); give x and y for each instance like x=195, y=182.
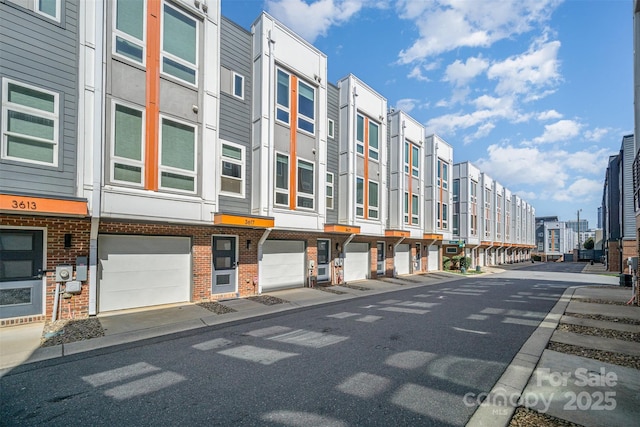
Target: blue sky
x=536, y=93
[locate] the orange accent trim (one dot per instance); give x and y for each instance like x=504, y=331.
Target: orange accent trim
x=485, y=243
x=432, y=236
x=243, y=221
x=154, y=8
x=366, y=168
x=42, y=205
x=293, y=122
x=396, y=233
x=336, y=228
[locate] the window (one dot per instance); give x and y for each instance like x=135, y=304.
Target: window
x=177, y=156
x=415, y=161
x=374, y=140
x=415, y=209
x=456, y=190
x=329, y=190
x=445, y=216
x=282, y=179
x=373, y=200
x=456, y=224
x=282, y=97
x=438, y=215
x=179, y=45
x=443, y=174
x=359, y=197
x=360, y=135
x=306, y=107
x=406, y=156
x=30, y=118
x=406, y=208
x=474, y=192
x=232, y=179
x=305, y=185
x=129, y=29
x=331, y=128
x=50, y=8
x=238, y=86
x=127, y=152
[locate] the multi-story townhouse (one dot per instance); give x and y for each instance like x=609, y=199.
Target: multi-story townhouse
x=508, y=227
x=487, y=219
x=43, y=214
x=558, y=240
x=362, y=202
x=467, y=211
x=438, y=195
x=406, y=195
x=498, y=237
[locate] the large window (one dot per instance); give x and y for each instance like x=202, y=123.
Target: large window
x=282, y=180
x=282, y=97
x=30, y=120
x=415, y=161
x=129, y=29
x=306, y=107
x=360, y=134
x=373, y=200
x=232, y=180
x=445, y=216
x=359, y=197
x=407, y=151
x=406, y=208
x=415, y=209
x=443, y=174
x=374, y=140
x=177, y=156
x=127, y=152
x=305, y=185
x=329, y=190
x=179, y=45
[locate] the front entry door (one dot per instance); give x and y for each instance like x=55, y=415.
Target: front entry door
x=324, y=260
x=225, y=265
x=21, y=257
x=380, y=258
x=417, y=264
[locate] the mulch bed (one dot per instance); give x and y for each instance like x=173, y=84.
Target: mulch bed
x=215, y=307
x=267, y=300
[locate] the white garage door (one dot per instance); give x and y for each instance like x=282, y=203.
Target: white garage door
x=402, y=259
x=283, y=264
x=356, y=262
x=434, y=260
x=141, y=271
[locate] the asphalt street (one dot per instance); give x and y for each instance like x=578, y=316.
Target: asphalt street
x=419, y=356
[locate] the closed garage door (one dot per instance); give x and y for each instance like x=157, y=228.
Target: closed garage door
x=282, y=264
x=356, y=262
x=402, y=259
x=141, y=271
x=434, y=261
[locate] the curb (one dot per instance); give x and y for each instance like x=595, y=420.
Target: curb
x=515, y=378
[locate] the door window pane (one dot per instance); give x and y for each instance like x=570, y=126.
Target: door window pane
x=15, y=296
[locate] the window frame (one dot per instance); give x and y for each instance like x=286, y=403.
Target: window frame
x=164, y=54
x=445, y=216
x=310, y=120
x=235, y=76
x=415, y=161
x=115, y=33
x=374, y=152
x=406, y=154
x=330, y=185
x=123, y=160
x=242, y=163
x=281, y=107
x=406, y=207
x=281, y=190
x=373, y=208
x=360, y=143
x=331, y=126
x=53, y=116
x=359, y=198
x=303, y=194
x=415, y=209
x=174, y=170
x=57, y=17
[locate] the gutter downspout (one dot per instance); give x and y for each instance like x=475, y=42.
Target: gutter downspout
x=260, y=243
x=98, y=132
x=395, y=247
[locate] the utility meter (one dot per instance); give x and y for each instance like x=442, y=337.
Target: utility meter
x=64, y=273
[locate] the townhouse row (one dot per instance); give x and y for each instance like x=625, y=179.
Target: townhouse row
x=154, y=152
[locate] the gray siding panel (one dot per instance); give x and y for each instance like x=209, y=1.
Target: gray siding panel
x=235, y=113
x=333, y=112
x=629, y=216
x=38, y=52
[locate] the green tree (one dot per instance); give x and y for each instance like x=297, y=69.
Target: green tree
x=589, y=243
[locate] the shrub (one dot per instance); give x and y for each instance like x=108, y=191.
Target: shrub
x=465, y=262
x=446, y=263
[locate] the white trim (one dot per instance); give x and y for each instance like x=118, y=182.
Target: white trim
x=371, y=149
x=304, y=117
x=276, y=190
x=233, y=85
x=369, y=205
x=300, y=193
x=242, y=162
x=164, y=54
x=118, y=33
x=36, y=8
x=286, y=109
x=331, y=128
x=174, y=170
x=55, y=117
x=359, y=205
x=333, y=189
x=123, y=160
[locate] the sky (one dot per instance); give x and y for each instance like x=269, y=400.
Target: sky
x=536, y=93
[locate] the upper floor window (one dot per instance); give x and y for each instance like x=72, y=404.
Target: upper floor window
x=329, y=190
x=359, y=197
x=415, y=209
x=50, y=8
x=331, y=129
x=360, y=135
x=456, y=190
x=177, y=156
x=282, y=179
x=487, y=198
x=238, y=86
x=232, y=180
x=473, y=190
x=306, y=107
x=374, y=140
x=445, y=216
x=127, y=149
x=415, y=161
x=373, y=200
x=129, y=29
x=306, y=178
x=30, y=121
x=407, y=154
x=406, y=208
x=179, y=45
x=282, y=97
x=443, y=174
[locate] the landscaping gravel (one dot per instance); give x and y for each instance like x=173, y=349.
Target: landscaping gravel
x=356, y=287
x=68, y=331
x=267, y=299
x=620, y=359
x=605, y=318
x=216, y=307
x=599, y=332
x=524, y=417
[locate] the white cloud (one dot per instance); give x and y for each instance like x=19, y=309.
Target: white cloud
x=549, y=115
x=593, y=161
x=311, y=20
x=482, y=132
x=460, y=73
x=417, y=73
x=582, y=189
x=561, y=130
x=597, y=134
x=406, y=104
x=446, y=25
